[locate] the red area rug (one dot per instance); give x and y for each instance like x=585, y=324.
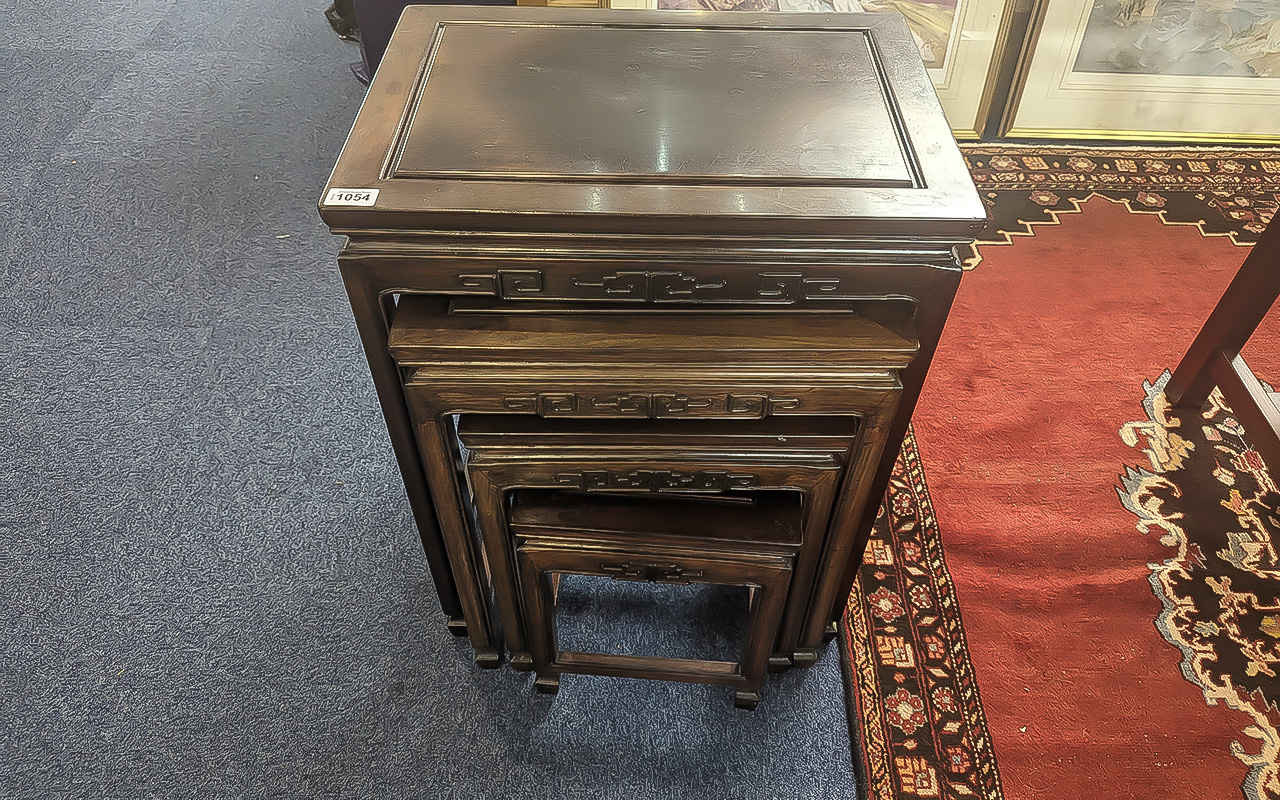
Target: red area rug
x=1077, y=639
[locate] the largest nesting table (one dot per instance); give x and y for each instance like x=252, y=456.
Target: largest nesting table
x=735, y=171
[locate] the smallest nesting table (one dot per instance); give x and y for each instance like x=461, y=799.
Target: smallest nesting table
x=634, y=539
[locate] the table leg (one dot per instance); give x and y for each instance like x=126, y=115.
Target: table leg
x=372, y=324
x=929, y=325
x=1239, y=312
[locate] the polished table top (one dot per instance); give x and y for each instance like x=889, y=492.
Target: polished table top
x=536, y=119
x=657, y=105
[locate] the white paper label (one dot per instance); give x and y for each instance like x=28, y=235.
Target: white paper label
x=351, y=197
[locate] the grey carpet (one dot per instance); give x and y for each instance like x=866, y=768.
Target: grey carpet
x=210, y=584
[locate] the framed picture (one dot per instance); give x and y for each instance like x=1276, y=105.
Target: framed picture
x=960, y=41
x=1175, y=70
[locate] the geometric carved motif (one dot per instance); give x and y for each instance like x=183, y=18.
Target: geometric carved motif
x=656, y=480
x=653, y=573
x=658, y=287
x=648, y=405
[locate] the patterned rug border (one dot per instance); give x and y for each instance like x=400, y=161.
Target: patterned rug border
x=1258, y=151
x=953, y=754
x=1008, y=237
x=1221, y=191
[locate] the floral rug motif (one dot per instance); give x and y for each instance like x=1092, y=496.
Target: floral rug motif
x=1222, y=191
x=920, y=722
x=1208, y=495
x=915, y=712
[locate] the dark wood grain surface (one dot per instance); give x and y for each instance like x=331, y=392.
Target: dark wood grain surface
x=608, y=104
x=647, y=122
x=1213, y=358
x=760, y=518
x=427, y=333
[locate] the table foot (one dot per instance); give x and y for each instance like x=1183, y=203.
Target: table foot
x=805, y=658
x=457, y=626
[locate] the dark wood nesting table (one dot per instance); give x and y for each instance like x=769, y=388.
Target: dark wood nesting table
x=692, y=219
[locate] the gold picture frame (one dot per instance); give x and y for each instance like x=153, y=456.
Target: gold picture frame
x=964, y=74
x=1154, y=70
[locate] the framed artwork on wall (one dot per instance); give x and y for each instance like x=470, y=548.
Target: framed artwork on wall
x=1175, y=70
x=960, y=41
